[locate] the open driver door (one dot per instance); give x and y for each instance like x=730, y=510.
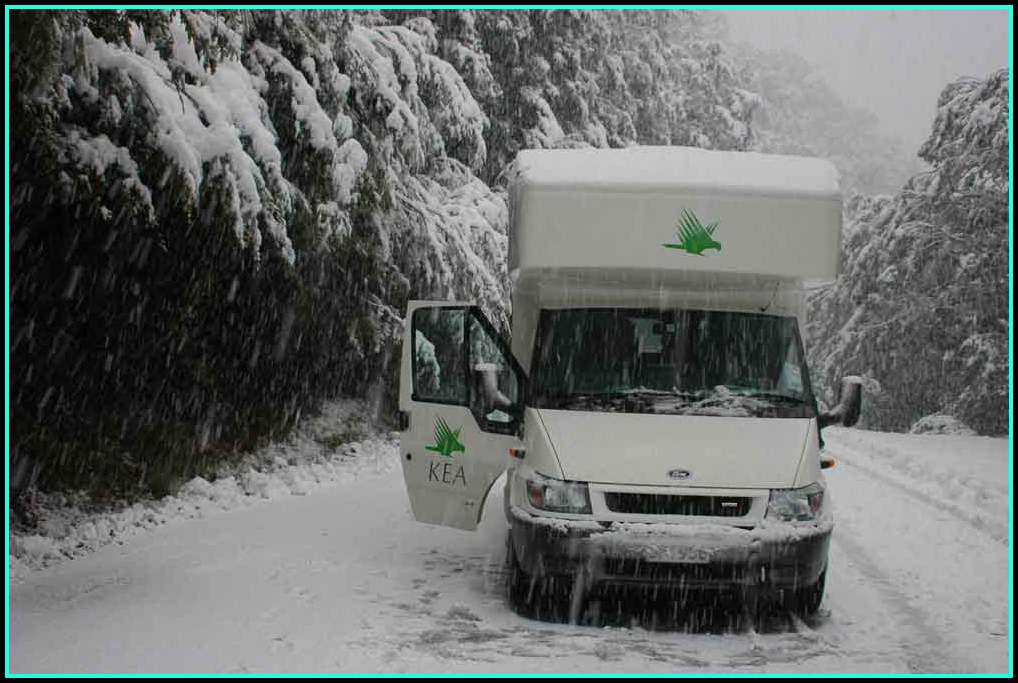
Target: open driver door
x=461, y=404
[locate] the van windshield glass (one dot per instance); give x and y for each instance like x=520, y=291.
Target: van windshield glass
x=689, y=362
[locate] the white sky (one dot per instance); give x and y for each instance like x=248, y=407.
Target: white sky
x=893, y=62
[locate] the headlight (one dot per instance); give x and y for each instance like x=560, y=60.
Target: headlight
x=796, y=505
x=555, y=495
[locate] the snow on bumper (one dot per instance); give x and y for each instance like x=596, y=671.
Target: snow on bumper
x=776, y=555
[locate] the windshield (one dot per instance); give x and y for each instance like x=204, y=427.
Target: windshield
x=689, y=362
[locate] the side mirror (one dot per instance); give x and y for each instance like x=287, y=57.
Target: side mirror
x=849, y=404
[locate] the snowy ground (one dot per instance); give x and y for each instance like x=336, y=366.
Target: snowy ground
x=342, y=579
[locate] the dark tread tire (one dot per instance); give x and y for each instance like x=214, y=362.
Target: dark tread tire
x=548, y=598
x=807, y=599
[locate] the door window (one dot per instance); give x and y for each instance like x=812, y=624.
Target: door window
x=459, y=359
x=439, y=362
x=496, y=387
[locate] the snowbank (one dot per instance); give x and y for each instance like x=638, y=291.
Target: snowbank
x=941, y=424
x=966, y=476
x=332, y=448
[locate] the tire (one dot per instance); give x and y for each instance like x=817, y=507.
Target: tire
x=517, y=582
x=806, y=600
x=755, y=607
x=548, y=598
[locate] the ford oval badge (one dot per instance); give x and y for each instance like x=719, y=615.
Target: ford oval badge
x=679, y=474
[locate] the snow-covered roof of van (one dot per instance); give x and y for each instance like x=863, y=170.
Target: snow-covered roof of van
x=690, y=168
x=660, y=211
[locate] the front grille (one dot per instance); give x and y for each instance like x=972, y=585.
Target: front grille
x=627, y=569
x=662, y=504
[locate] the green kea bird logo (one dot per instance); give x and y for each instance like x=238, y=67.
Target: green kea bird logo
x=694, y=236
x=447, y=441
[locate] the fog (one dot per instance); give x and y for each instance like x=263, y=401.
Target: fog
x=894, y=63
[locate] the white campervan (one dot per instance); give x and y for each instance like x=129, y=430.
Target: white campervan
x=654, y=408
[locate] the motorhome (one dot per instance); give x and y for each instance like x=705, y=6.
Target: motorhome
x=653, y=410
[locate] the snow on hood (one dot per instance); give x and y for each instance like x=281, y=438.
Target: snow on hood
x=641, y=449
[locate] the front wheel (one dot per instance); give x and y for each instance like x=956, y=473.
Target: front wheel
x=545, y=597
x=806, y=600
x=517, y=581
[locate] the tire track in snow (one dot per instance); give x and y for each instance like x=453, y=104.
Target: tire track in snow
x=925, y=649
x=486, y=630
x=991, y=530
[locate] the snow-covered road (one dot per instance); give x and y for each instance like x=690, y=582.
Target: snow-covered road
x=343, y=580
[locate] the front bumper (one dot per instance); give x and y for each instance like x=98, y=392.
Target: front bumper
x=775, y=556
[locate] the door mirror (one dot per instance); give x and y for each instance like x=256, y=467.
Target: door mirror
x=849, y=404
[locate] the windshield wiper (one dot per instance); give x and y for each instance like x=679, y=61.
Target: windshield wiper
x=664, y=393
x=766, y=396
x=626, y=397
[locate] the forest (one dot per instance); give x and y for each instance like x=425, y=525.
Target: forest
x=217, y=217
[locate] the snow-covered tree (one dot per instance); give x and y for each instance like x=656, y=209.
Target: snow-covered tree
x=921, y=307
x=217, y=217
x=594, y=78
x=216, y=220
